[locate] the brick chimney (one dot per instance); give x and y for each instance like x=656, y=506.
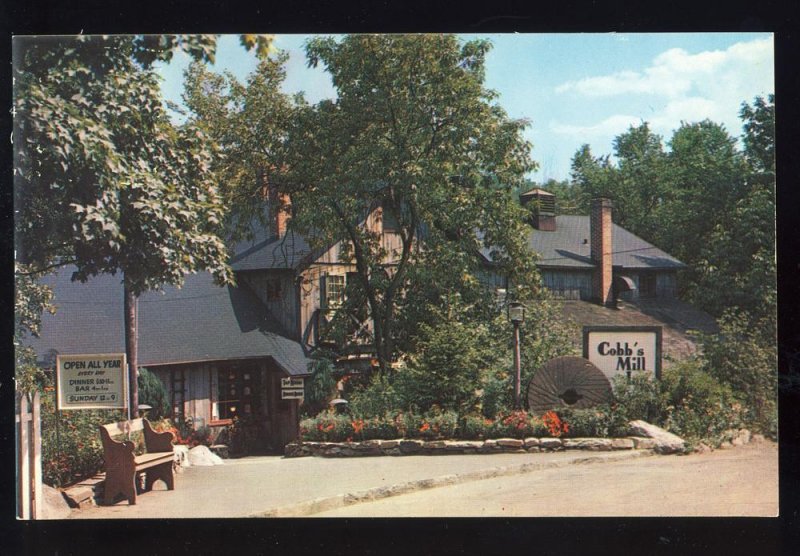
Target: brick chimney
x=601, y=249
x=280, y=207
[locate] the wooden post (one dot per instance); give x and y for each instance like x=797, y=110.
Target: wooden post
x=517, y=367
x=23, y=460
x=36, y=431
x=29, y=458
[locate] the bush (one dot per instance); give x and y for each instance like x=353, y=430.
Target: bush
x=699, y=407
x=320, y=385
x=71, y=446
x=152, y=392
x=377, y=399
x=743, y=356
x=437, y=425
x=640, y=397
x=474, y=427
x=497, y=395
x=606, y=421
x=446, y=369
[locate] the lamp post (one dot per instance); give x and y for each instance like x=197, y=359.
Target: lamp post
x=516, y=314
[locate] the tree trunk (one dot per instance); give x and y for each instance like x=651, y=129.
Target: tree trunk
x=131, y=350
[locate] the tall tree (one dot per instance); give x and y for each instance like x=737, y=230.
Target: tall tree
x=413, y=130
x=249, y=123
x=103, y=180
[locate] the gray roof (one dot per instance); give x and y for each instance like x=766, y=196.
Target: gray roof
x=288, y=252
x=199, y=322
x=569, y=247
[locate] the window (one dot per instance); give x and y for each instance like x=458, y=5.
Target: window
x=239, y=391
x=333, y=290
x=647, y=285
x=178, y=391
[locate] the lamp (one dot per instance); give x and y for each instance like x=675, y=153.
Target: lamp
x=516, y=314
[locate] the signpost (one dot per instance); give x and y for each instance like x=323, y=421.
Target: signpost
x=91, y=381
x=619, y=350
x=292, y=388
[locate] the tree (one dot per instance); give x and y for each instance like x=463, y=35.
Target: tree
x=249, y=124
x=414, y=132
x=103, y=180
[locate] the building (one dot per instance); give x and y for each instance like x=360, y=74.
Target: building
x=221, y=352
x=591, y=258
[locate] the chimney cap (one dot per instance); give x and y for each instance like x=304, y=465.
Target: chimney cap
x=603, y=201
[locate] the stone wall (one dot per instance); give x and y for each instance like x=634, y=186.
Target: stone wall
x=404, y=447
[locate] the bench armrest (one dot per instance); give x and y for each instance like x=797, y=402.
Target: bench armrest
x=157, y=441
x=114, y=450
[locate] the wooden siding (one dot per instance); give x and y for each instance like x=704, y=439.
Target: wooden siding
x=568, y=284
x=284, y=308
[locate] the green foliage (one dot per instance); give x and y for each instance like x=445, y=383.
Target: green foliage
x=446, y=370
x=414, y=131
x=743, y=357
x=516, y=424
x=698, y=405
x=71, y=446
x=378, y=397
x=640, y=397
x=31, y=299
x=320, y=385
x=152, y=392
x=602, y=421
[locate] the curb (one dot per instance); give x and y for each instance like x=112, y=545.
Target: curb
x=318, y=505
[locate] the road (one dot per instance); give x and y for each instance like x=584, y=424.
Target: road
x=742, y=481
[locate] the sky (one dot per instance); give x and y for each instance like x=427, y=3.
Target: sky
x=574, y=89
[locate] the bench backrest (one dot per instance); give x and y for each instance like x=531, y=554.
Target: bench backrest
x=124, y=427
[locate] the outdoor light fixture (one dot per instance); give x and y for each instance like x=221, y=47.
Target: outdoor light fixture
x=516, y=314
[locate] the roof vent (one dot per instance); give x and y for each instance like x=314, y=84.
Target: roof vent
x=542, y=206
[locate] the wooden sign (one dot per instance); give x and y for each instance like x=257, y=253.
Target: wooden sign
x=623, y=349
x=91, y=381
x=292, y=394
x=292, y=382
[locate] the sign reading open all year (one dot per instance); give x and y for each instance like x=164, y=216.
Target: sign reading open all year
x=624, y=350
x=91, y=381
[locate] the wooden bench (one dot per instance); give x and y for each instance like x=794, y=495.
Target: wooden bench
x=123, y=466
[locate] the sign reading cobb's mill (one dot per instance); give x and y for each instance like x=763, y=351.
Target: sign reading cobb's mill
x=91, y=381
x=624, y=350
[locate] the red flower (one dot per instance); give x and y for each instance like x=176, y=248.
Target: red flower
x=424, y=427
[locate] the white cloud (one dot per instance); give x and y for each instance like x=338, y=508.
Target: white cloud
x=611, y=126
x=676, y=72
x=676, y=87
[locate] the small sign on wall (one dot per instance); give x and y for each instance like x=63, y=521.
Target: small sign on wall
x=292, y=394
x=625, y=350
x=91, y=381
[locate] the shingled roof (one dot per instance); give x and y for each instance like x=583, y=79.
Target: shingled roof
x=199, y=322
x=569, y=247
x=261, y=253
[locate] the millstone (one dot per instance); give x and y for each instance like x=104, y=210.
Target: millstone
x=568, y=382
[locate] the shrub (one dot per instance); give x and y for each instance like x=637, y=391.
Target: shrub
x=436, y=425
x=446, y=368
x=602, y=421
x=320, y=385
x=640, y=397
x=497, y=395
x=153, y=393
x=474, y=427
x=71, y=446
x=744, y=356
x=698, y=405
x=378, y=398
